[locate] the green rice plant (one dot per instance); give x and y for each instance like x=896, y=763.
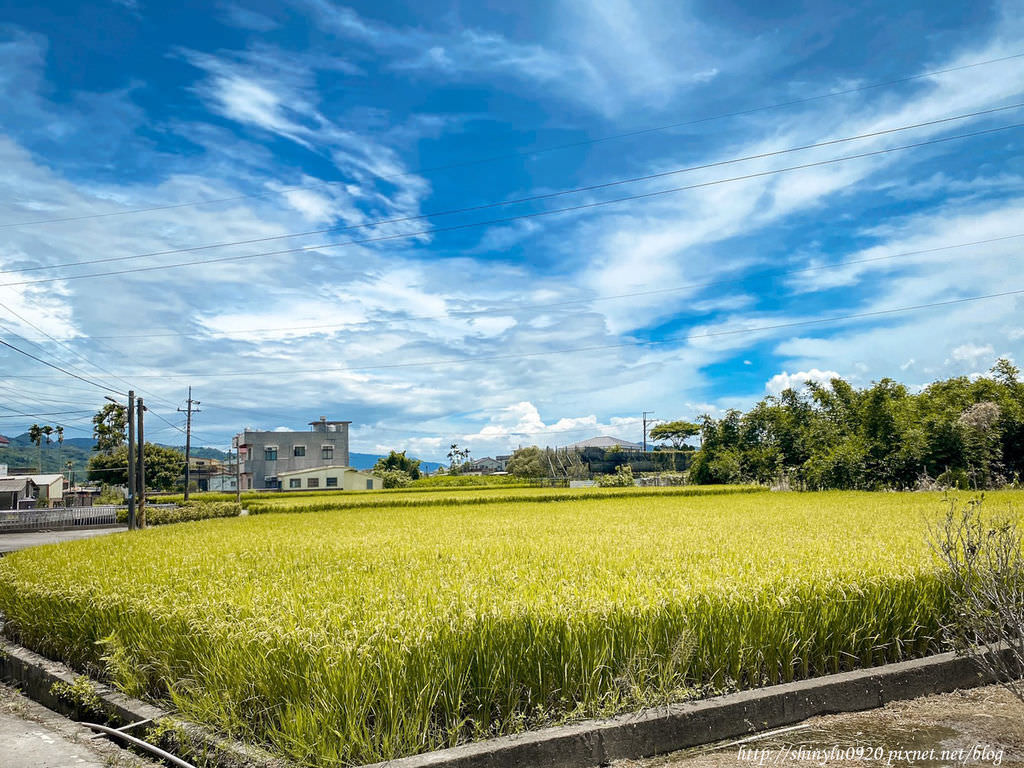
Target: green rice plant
x=395, y=498
x=355, y=634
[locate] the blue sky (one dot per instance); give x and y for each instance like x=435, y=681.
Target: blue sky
x=315, y=115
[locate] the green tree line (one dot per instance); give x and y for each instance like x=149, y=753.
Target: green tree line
x=960, y=432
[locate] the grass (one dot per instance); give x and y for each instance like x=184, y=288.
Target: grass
x=353, y=635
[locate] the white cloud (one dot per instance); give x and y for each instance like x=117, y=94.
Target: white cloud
x=783, y=381
x=972, y=353
x=616, y=56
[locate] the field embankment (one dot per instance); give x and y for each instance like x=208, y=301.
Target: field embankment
x=358, y=634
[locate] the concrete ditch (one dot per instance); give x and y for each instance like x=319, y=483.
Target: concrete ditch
x=36, y=676
x=580, y=745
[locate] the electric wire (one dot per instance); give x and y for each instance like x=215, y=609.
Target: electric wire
x=512, y=308
x=520, y=200
x=597, y=347
x=58, y=368
x=524, y=216
x=530, y=153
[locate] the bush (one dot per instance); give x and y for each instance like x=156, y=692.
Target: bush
x=394, y=478
x=954, y=478
x=468, y=481
x=187, y=511
x=622, y=478
x=984, y=559
x=109, y=495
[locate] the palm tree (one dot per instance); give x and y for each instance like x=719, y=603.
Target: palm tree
x=59, y=430
x=35, y=434
x=47, y=431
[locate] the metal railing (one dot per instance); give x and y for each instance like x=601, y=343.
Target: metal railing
x=64, y=517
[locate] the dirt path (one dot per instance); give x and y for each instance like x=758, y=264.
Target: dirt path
x=980, y=728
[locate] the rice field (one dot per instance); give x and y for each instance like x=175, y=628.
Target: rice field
x=352, y=635
x=433, y=497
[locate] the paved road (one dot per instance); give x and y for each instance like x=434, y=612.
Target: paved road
x=12, y=542
x=32, y=736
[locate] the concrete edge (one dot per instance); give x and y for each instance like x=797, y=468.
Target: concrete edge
x=579, y=745
x=36, y=675
x=679, y=726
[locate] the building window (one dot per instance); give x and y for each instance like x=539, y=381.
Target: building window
x=312, y=482
x=332, y=482
x=327, y=453
x=299, y=450
x=369, y=485
x=270, y=482
x=294, y=482
x=270, y=454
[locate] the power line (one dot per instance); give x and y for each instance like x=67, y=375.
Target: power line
x=524, y=216
x=62, y=424
x=520, y=200
x=510, y=308
x=57, y=367
x=55, y=341
x=48, y=413
x=69, y=349
x=533, y=152
x=597, y=347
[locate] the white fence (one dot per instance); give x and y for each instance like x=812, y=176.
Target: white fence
x=63, y=517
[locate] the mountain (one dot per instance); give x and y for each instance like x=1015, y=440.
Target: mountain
x=23, y=453
x=367, y=460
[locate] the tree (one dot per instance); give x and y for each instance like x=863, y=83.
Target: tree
x=457, y=456
x=35, y=434
x=527, y=462
x=397, y=461
x=981, y=441
x=110, y=427
x=164, y=467
x=393, y=478
x=59, y=430
x=675, y=432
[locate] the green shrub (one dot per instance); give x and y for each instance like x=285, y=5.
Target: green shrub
x=187, y=511
x=622, y=478
x=468, y=481
x=954, y=478
x=394, y=478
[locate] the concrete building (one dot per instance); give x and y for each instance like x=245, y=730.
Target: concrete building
x=486, y=465
x=17, y=493
x=266, y=456
x=341, y=478
x=49, y=489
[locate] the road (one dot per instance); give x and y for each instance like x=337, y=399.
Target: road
x=12, y=542
x=32, y=736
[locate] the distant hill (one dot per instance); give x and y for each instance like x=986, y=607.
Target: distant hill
x=22, y=452
x=367, y=460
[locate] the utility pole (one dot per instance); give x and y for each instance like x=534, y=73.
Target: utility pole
x=141, y=517
x=238, y=472
x=646, y=414
x=131, y=460
x=188, y=437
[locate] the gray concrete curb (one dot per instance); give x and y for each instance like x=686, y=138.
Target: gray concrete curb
x=580, y=745
x=36, y=675
x=667, y=729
